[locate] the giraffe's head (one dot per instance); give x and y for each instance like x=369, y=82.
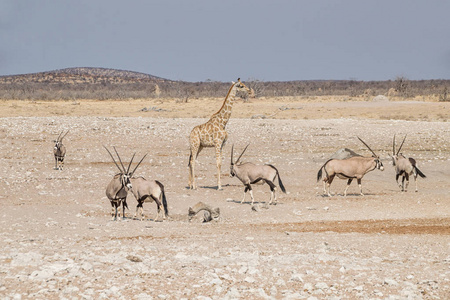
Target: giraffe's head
x=241, y=87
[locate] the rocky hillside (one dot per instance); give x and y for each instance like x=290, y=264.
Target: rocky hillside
x=83, y=75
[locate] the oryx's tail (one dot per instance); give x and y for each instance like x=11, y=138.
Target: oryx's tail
x=319, y=174
x=280, y=183
x=164, y=199
x=419, y=172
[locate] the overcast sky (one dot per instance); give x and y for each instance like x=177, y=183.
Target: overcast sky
x=221, y=40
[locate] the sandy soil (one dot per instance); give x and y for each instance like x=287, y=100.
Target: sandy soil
x=58, y=240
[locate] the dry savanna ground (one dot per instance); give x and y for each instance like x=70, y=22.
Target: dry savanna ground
x=58, y=240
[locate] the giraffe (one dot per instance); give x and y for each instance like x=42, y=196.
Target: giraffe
x=213, y=133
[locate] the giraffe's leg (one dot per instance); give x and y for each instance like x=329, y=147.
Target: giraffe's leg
x=219, y=163
x=195, y=150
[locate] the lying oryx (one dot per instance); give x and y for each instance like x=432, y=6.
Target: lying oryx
x=404, y=167
x=117, y=189
x=59, y=151
x=249, y=173
x=350, y=168
x=148, y=191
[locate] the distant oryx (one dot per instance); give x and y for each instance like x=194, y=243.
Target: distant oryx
x=404, y=167
x=350, y=168
x=148, y=191
x=249, y=173
x=59, y=151
x=117, y=189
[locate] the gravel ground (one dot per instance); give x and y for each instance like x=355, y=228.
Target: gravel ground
x=58, y=240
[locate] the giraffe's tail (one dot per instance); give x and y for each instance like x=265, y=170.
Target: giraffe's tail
x=190, y=157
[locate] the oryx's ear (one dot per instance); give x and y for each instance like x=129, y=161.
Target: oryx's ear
x=239, y=79
x=232, y=82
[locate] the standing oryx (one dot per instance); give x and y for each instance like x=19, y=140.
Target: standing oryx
x=59, y=151
x=249, y=173
x=404, y=167
x=350, y=168
x=148, y=191
x=117, y=189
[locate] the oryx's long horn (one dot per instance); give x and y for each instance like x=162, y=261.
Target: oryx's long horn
x=367, y=146
x=393, y=146
x=129, y=165
x=138, y=165
x=232, y=150
x=59, y=136
x=64, y=135
x=113, y=159
x=242, y=153
x=119, y=160
x=398, y=151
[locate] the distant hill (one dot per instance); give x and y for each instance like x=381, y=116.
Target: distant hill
x=104, y=83
x=83, y=75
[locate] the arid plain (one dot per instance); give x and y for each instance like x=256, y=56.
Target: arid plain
x=58, y=240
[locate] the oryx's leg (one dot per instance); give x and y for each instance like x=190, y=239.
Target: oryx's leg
x=139, y=209
x=415, y=180
x=113, y=211
x=162, y=207
x=329, y=181
x=360, y=186
x=349, y=181
x=56, y=163
x=158, y=207
x=118, y=210
x=246, y=188
x=124, y=204
x=273, y=196
x=407, y=181
x=324, y=186
x=396, y=179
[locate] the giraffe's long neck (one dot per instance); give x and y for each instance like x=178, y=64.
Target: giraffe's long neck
x=224, y=114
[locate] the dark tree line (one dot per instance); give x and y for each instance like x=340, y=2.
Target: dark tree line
x=102, y=89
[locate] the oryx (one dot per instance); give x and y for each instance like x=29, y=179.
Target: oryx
x=350, y=168
x=59, y=151
x=404, y=167
x=148, y=191
x=249, y=173
x=117, y=189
